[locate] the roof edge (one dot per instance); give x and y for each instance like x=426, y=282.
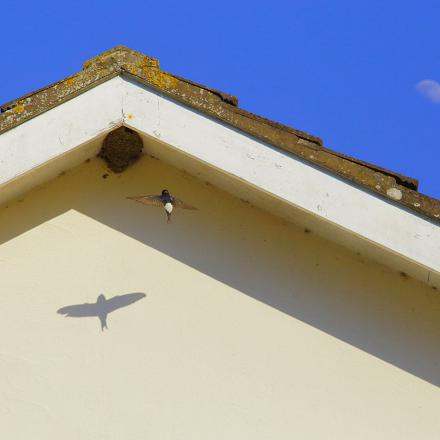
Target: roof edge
x=121, y=60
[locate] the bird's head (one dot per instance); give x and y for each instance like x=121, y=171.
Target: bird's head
x=165, y=192
x=101, y=298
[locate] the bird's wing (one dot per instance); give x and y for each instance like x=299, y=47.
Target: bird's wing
x=79, y=310
x=181, y=204
x=120, y=301
x=151, y=200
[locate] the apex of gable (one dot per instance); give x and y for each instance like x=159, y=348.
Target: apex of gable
x=122, y=56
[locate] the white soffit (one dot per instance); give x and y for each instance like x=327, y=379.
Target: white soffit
x=61, y=138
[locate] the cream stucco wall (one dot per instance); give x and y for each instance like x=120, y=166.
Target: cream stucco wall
x=250, y=328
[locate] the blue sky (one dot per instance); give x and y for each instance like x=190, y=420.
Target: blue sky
x=352, y=72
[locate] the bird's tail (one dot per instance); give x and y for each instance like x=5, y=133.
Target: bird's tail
x=168, y=216
x=103, y=319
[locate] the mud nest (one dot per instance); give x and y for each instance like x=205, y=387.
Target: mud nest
x=121, y=148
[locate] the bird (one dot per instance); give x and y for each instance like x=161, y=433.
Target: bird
x=165, y=200
x=101, y=308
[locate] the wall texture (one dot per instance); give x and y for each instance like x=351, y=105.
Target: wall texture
x=250, y=328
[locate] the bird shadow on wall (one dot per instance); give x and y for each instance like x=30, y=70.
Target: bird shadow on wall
x=101, y=308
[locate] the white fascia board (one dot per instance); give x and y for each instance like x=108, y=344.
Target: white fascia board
x=70, y=127
x=284, y=176
x=60, y=130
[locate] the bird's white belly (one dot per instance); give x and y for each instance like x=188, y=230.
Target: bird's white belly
x=168, y=207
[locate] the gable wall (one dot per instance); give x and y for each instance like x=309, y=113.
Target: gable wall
x=251, y=327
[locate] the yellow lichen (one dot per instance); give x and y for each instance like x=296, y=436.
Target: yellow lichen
x=131, y=68
x=18, y=109
x=160, y=79
x=69, y=81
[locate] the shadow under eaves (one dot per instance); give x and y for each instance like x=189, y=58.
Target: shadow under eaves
x=359, y=302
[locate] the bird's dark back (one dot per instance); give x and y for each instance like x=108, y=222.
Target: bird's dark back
x=166, y=198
